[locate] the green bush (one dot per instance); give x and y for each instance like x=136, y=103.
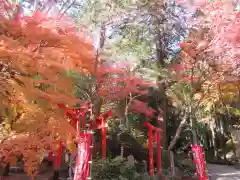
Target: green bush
x=114, y=169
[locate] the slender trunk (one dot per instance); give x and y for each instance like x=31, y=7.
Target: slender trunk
x=194, y=133
x=97, y=102
x=222, y=123
x=127, y=104
x=55, y=175
x=162, y=86
x=192, y=121
x=6, y=170
x=164, y=124
x=145, y=166
x=65, y=11
x=172, y=164
x=126, y=122
x=206, y=143
x=210, y=150
x=63, y=6
x=96, y=99
x=47, y=7
x=178, y=133
x=214, y=142
x=233, y=145
x=174, y=141
x=222, y=140
x=122, y=151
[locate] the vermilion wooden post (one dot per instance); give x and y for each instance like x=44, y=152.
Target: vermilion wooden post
x=101, y=123
x=58, y=156
x=104, y=139
x=57, y=161
x=150, y=148
x=50, y=156
x=90, y=154
x=151, y=128
x=159, y=155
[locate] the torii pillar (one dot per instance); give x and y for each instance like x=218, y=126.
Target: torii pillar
x=101, y=122
x=151, y=138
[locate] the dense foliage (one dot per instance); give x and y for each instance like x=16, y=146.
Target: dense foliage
x=35, y=56
x=133, y=65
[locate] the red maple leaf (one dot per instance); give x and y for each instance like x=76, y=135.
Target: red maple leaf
x=116, y=83
x=188, y=79
x=138, y=106
x=178, y=67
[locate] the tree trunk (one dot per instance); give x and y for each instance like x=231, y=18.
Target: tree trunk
x=178, y=133
x=65, y=11
x=172, y=164
x=194, y=133
x=161, y=86
x=97, y=101
x=6, y=170
x=222, y=140
x=164, y=122
x=55, y=175
x=206, y=142
x=174, y=141
x=122, y=151
x=214, y=142
x=192, y=121
x=233, y=145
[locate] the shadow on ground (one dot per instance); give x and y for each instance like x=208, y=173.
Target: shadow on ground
x=223, y=172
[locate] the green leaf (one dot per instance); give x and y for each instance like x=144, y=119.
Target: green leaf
x=37, y=76
x=123, y=169
x=235, y=111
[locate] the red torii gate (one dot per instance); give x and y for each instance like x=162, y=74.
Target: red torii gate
x=151, y=138
x=77, y=116
x=74, y=114
x=101, y=124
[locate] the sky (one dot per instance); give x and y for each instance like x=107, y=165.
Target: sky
x=178, y=11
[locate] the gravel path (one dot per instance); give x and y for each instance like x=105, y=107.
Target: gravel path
x=223, y=172
x=215, y=172
x=18, y=176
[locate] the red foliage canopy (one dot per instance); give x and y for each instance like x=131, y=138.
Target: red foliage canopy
x=33, y=46
x=117, y=84
x=141, y=107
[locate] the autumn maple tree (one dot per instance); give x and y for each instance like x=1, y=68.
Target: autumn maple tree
x=207, y=75
x=35, y=54
x=119, y=83
x=220, y=47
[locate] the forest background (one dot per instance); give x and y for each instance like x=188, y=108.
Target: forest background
x=178, y=61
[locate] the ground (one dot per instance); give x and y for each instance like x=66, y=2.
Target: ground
x=223, y=172
x=215, y=172
x=24, y=177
